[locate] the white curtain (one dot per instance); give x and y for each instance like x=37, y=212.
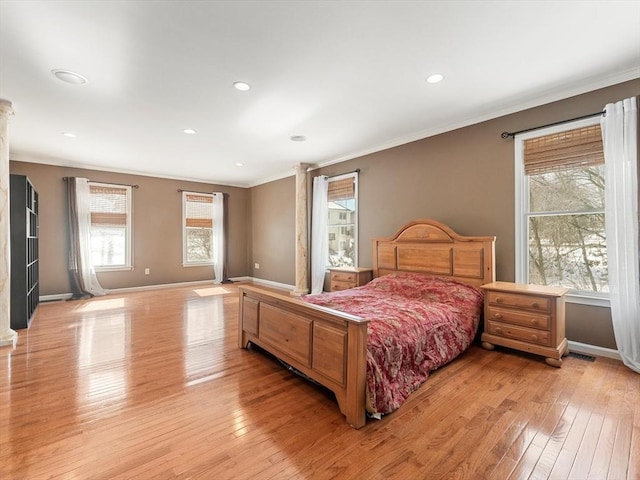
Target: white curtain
x=319, y=237
x=620, y=140
x=86, y=270
x=218, y=237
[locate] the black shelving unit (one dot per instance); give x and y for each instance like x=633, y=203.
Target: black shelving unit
x=25, y=285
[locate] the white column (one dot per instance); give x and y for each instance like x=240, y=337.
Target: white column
x=302, y=284
x=7, y=336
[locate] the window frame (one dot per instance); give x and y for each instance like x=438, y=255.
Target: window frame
x=128, y=253
x=522, y=211
x=185, y=260
x=337, y=178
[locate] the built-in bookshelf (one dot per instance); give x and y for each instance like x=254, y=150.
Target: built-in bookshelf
x=25, y=275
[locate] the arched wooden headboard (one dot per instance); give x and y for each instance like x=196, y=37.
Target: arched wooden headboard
x=428, y=246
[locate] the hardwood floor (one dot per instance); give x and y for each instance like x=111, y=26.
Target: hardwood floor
x=152, y=385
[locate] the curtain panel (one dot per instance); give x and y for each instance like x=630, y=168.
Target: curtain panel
x=620, y=141
x=219, y=266
x=84, y=281
x=319, y=236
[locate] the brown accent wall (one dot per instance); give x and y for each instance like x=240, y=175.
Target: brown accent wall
x=463, y=178
x=273, y=231
x=157, y=233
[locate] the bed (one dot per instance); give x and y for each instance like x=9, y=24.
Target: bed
x=352, y=351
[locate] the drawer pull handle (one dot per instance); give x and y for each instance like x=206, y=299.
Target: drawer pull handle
x=498, y=330
x=534, y=321
x=498, y=299
x=534, y=338
x=534, y=305
x=497, y=315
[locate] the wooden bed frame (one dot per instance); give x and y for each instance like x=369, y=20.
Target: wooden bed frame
x=330, y=346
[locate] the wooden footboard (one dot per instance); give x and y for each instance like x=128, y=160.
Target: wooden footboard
x=328, y=346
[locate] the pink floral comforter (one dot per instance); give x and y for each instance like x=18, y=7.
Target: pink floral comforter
x=417, y=324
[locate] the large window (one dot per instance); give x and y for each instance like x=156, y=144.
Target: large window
x=197, y=222
x=110, y=233
x=342, y=224
x=560, y=231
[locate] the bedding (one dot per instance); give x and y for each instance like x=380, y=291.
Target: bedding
x=417, y=323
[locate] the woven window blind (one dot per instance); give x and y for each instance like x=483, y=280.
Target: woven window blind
x=108, y=205
x=198, y=210
x=341, y=189
x=578, y=148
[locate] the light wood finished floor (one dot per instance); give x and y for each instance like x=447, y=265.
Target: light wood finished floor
x=152, y=385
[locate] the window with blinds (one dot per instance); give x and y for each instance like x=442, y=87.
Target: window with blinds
x=110, y=232
x=341, y=188
x=577, y=148
x=197, y=222
x=562, y=240
x=342, y=224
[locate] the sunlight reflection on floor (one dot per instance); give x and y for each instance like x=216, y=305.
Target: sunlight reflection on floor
x=96, y=305
x=207, y=292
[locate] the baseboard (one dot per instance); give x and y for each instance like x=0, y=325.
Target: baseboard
x=587, y=349
x=240, y=279
x=143, y=288
x=59, y=297
x=66, y=296
x=270, y=283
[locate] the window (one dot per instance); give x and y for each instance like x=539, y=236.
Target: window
x=110, y=233
x=342, y=198
x=197, y=221
x=560, y=230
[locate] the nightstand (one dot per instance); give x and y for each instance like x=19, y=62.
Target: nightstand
x=526, y=317
x=342, y=278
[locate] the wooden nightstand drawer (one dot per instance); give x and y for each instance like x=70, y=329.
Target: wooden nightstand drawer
x=529, y=335
x=516, y=317
x=337, y=276
x=528, y=302
x=337, y=286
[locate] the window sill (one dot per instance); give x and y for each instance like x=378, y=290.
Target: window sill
x=198, y=264
x=118, y=268
x=594, y=301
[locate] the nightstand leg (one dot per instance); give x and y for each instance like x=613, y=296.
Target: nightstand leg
x=554, y=362
x=488, y=346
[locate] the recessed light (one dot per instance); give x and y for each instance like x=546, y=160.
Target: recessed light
x=242, y=86
x=297, y=138
x=435, y=78
x=239, y=164
x=69, y=134
x=68, y=76
x=189, y=131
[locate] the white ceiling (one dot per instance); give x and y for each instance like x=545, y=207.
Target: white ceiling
x=348, y=75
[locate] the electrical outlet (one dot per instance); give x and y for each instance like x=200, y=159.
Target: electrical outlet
x=146, y=271
x=256, y=266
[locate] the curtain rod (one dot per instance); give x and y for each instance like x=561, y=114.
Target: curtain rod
x=110, y=183
x=357, y=170
x=513, y=134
